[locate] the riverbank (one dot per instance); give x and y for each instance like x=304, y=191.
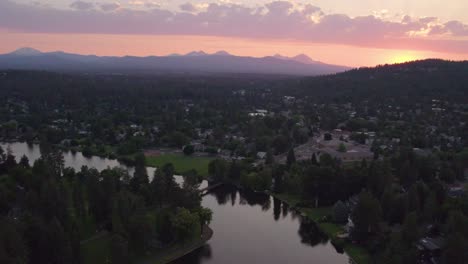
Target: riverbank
x=358, y=254
x=179, y=250
x=96, y=249
x=182, y=163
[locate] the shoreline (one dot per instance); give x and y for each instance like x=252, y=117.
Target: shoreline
x=179, y=250
x=330, y=235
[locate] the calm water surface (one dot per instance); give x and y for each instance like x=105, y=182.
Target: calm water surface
x=248, y=227
x=256, y=228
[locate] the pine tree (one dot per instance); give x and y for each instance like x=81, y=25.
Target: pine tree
x=291, y=158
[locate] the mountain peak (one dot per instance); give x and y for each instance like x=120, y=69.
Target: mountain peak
x=26, y=52
x=196, y=53
x=302, y=58
x=281, y=57
x=222, y=53
x=196, y=62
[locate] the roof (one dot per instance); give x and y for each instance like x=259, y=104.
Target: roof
x=456, y=191
x=431, y=244
x=261, y=155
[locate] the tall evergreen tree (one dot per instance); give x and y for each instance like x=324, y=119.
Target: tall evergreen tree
x=291, y=158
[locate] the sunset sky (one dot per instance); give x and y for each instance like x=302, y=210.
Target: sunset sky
x=353, y=33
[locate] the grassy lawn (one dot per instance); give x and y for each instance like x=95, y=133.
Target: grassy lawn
x=316, y=213
x=181, y=163
x=357, y=253
x=291, y=200
x=96, y=250
x=330, y=229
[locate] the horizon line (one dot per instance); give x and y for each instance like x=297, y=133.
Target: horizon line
x=228, y=53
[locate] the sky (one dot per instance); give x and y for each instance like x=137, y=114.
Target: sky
x=345, y=32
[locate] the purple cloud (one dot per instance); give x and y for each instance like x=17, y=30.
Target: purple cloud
x=311, y=9
x=81, y=5
x=110, y=7
x=276, y=20
x=456, y=28
x=189, y=7
x=279, y=7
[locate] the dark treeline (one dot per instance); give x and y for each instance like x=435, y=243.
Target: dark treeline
x=47, y=211
x=407, y=81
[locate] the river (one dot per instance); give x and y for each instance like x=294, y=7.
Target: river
x=248, y=227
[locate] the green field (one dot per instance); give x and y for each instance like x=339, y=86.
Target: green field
x=181, y=163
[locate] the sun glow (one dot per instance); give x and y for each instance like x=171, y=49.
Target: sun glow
x=404, y=57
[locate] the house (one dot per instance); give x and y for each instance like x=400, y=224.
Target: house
x=421, y=152
x=139, y=134
x=259, y=113
x=198, y=146
x=83, y=132
x=261, y=155
x=351, y=155
x=455, y=191
x=429, y=249
x=289, y=99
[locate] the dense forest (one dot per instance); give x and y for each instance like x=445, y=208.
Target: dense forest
x=295, y=138
x=47, y=210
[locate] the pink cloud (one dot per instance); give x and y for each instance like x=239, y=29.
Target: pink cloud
x=456, y=28
x=276, y=20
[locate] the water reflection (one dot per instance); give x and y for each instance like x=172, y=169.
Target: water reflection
x=310, y=233
x=74, y=160
x=285, y=210
x=233, y=197
x=223, y=194
x=77, y=160
x=254, y=198
x=256, y=228
x=276, y=209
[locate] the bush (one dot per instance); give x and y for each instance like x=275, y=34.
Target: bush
x=340, y=213
x=189, y=150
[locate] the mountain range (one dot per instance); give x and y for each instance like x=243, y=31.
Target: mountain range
x=193, y=62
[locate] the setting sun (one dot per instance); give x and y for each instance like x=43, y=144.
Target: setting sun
x=404, y=57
